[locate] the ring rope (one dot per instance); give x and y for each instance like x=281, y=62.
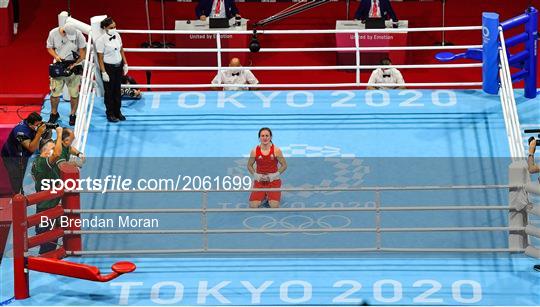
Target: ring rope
x=299, y=250
x=285, y=230
x=306, y=85
x=321, y=49
x=342, y=67
x=426, y=208
x=323, y=189
x=387, y=30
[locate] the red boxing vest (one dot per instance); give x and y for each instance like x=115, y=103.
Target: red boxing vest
x=266, y=164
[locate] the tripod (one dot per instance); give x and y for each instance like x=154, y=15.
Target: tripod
x=443, y=42
x=156, y=44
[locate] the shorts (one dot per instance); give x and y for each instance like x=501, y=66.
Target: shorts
x=72, y=82
x=259, y=195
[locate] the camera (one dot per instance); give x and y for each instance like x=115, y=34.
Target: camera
x=51, y=125
x=532, y=137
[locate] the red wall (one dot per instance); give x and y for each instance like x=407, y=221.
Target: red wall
x=26, y=59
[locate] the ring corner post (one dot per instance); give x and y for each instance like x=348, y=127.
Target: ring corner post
x=20, y=247
x=71, y=201
x=490, y=54
x=531, y=28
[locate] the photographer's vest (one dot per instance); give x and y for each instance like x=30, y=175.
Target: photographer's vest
x=13, y=148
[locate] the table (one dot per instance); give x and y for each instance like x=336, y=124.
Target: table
x=6, y=22
x=371, y=39
x=205, y=40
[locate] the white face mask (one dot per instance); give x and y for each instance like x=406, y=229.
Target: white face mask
x=112, y=32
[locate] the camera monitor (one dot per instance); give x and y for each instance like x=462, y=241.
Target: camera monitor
x=218, y=23
x=375, y=23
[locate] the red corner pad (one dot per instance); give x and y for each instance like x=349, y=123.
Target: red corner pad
x=78, y=270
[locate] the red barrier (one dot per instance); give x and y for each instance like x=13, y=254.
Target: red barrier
x=20, y=274
x=45, y=237
x=51, y=262
x=71, y=201
x=51, y=214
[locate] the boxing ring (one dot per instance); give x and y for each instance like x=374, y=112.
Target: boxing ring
x=392, y=197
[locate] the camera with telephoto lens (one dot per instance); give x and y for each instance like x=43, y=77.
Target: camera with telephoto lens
x=532, y=137
x=50, y=126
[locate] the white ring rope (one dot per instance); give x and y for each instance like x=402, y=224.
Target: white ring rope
x=387, y=30
x=321, y=189
x=322, y=49
x=301, y=230
x=340, y=67
x=306, y=85
x=332, y=209
x=299, y=250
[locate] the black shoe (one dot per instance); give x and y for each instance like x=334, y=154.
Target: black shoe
x=112, y=119
x=121, y=117
x=72, y=119
x=53, y=118
x=265, y=203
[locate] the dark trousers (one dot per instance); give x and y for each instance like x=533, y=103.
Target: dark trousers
x=50, y=246
x=113, y=96
x=16, y=168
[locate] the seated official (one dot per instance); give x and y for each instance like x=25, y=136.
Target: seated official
x=235, y=77
x=216, y=9
x=375, y=9
x=386, y=75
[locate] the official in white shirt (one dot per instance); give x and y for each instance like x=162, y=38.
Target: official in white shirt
x=385, y=75
x=235, y=77
x=113, y=65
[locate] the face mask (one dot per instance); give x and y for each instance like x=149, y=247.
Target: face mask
x=50, y=153
x=111, y=32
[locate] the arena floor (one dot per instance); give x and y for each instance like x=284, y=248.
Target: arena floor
x=330, y=138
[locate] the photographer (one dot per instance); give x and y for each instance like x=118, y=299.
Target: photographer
x=67, y=150
x=22, y=142
x=533, y=168
x=68, y=48
x=45, y=167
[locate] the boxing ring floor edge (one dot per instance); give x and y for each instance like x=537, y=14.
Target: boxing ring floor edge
x=366, y=125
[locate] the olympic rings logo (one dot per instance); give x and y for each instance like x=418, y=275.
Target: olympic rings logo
x=485, y=32
x=297, y=222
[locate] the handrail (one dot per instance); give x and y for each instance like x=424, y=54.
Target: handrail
x=87, y=95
